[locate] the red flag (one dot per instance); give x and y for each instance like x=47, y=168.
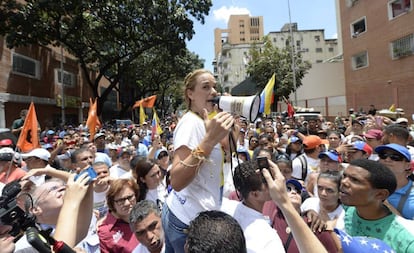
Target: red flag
x=290, y=110
x=29, y=137
x=146, y=102
x=93, y=121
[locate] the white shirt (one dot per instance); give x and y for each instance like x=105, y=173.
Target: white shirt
x=142, y=249
x=313, y=166
x=314, y=204
x=260, y=236
x=205, y=190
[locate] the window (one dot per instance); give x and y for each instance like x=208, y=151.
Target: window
x=398, y=7
x=319, y=50
x=358, y=27
x=360, y=60
x=319, y=61
x=25, y=66
x=331, y=49
x=317, y=38
x=69, y=79
x=274, y=40
x=402, y=47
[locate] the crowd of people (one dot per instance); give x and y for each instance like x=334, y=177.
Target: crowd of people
x=198, y=187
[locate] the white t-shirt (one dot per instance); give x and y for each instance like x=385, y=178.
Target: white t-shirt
x=260, y=236
x=205, y=191
x=117, y=172
x=314, y=204
x=313, y=166
x=142, y=249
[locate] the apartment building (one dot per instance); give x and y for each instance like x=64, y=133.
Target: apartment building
x=231, y=47
x=34, y=74
x=311, y=44
x=378, y=52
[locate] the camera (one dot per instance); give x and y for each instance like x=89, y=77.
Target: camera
x=24, y=222
x=262, y=162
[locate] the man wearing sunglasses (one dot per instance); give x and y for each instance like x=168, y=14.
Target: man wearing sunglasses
x=398, y=158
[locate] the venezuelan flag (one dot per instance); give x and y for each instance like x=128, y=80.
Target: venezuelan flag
x=266, y=97
x=155, y=125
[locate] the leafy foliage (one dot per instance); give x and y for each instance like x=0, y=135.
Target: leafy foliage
x=269, y=59
x=106, y=36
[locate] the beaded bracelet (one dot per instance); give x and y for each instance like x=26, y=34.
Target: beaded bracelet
x=198, y=153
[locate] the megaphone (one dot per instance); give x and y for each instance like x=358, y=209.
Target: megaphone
x=247, y=107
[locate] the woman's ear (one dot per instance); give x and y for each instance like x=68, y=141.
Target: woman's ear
x=142, y=180
x=189, y=94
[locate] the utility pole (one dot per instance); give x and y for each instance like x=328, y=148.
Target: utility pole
x=293, y=52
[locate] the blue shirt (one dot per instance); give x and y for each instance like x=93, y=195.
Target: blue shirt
x=408, y=208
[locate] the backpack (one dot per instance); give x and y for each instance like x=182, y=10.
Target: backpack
x=304, y=163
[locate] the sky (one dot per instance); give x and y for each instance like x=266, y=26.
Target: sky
x=309, y=14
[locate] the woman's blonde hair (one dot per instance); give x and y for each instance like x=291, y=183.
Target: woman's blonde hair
x=190, y=82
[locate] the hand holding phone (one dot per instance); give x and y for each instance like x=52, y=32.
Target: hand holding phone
x=262, y=162
x=91, y=173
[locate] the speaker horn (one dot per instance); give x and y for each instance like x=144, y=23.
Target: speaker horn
x=247, y=107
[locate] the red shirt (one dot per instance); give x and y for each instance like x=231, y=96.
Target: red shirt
x=115, y=235
x=279, y=223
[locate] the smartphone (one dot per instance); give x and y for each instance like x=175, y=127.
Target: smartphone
x=262, y=162
x=91, y=173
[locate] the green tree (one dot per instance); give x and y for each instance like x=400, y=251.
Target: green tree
x=105, y=36
x=164, y=79
x=267, y=59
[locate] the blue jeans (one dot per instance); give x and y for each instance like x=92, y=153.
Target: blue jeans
x=173, y=231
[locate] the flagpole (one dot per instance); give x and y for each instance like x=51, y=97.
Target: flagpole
x=293, y=56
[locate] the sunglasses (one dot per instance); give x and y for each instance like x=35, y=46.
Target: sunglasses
x=291, y=188
x=393, y=157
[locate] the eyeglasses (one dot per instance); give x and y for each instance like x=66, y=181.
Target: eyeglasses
x=286, y=128
x=393, y=157
x=121, y=201
x=47, y=192
x=291, y=188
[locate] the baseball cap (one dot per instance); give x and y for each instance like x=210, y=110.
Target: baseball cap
x=401, y=120
x=6, y=142
x=6, y=154
x=363, y=146
x=332, y=154
x=98, y=135
x=294, y=139
x=397, y=148
x=50, y=132
x=40, y=153
x=374, y=134
x=159, y=151
x=296, y=183
x=243, y=150
x=312, y=141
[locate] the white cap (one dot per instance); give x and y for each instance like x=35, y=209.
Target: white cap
x=40, y=153
x=401, y=120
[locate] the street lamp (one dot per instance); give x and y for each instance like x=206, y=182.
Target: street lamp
x=293, y=56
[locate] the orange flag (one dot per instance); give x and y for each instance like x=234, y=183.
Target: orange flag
x=29, y=137
x=93, y=121
x=146, y=102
